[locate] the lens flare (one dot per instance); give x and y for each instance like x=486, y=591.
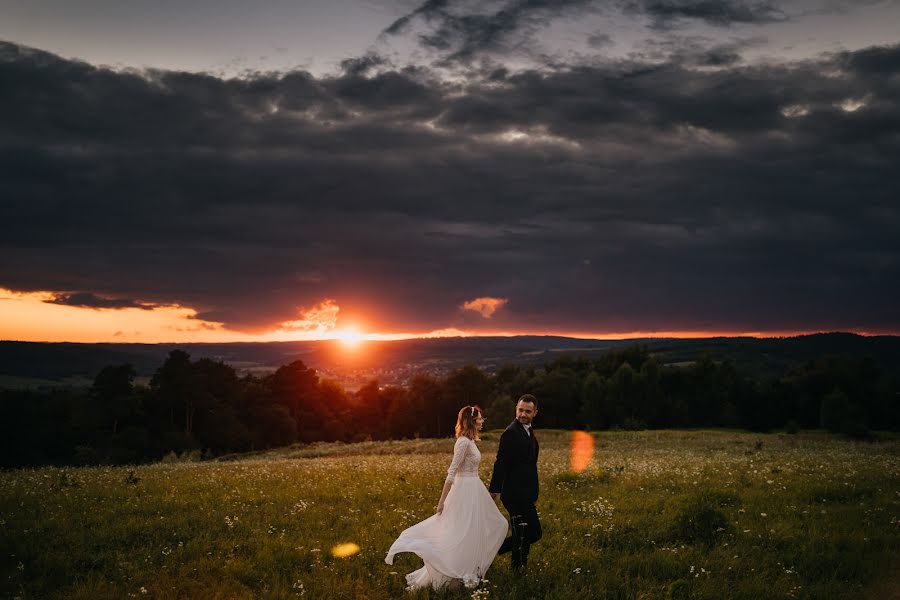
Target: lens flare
x=344, y=550
x=581, y=451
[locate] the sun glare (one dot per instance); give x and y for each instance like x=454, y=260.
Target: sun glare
x=350, y=338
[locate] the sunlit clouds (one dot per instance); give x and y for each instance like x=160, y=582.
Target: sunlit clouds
x=537, y=136
x=486, y=306
x=314, y=321
x=48, y=316
x=39, y=316
x=433, y=169
x=657, y=196
x=42, y=317
x=853, y=104
x=794, y=111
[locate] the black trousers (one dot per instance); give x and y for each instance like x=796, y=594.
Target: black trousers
x=526, y=530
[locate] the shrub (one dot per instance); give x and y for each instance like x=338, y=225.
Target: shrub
x=186, y=456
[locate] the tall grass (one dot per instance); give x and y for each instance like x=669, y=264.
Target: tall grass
x=670, y=514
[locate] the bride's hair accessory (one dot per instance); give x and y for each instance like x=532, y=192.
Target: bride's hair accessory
x=466, y=423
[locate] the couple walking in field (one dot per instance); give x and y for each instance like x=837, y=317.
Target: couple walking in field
x=460, y=541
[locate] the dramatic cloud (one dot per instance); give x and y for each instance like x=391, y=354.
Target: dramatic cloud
x=668, y=13
x=674, y=193
x=695, y=51
x=35, y=316
x=486, y=307
x=88, y=300
x=461, y=34
x=320, y=319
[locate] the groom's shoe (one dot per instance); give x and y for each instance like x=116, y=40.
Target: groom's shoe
x=506, y=546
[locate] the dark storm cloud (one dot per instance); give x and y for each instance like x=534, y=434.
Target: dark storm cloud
x=841, y=7
x=89, y=300
x=878, y=61
x=427, y=10
x=611, y=196
x=461, y=36
x=669, y=13
x=695, y=50
x=599, y=40
x=361, y=65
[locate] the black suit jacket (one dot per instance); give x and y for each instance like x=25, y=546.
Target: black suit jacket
x=515, y=475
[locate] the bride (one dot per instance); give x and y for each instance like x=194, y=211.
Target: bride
x=459, y=542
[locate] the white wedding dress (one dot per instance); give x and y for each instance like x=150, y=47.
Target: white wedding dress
x=462, y=541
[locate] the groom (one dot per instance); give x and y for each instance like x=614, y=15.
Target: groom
x=515, y=479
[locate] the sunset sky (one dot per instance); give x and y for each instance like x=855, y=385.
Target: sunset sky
x=217, y=171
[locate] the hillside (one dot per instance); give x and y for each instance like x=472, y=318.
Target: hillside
x=61, y=362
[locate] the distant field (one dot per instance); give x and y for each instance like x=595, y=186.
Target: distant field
x=670, y=514
x=14, y=382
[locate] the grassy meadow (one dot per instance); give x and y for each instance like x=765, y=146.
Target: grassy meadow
x=668, y=514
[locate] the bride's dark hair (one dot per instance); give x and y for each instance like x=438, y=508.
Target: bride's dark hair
x=465, y=422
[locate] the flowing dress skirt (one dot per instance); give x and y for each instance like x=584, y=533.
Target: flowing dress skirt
x=460, y=543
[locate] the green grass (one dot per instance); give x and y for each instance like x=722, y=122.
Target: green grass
x=671, y=514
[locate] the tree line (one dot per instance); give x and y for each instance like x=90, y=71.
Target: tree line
x=206, y=408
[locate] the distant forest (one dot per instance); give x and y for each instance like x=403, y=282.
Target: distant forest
x=203, y=408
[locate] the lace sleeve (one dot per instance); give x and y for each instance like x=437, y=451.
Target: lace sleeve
x=459, y=453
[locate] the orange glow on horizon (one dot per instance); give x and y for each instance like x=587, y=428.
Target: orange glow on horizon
x=349, y=337
x=29, y=317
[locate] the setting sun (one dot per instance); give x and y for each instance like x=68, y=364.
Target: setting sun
x=351, y=338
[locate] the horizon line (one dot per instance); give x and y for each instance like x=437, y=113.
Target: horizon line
x=610, y=337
